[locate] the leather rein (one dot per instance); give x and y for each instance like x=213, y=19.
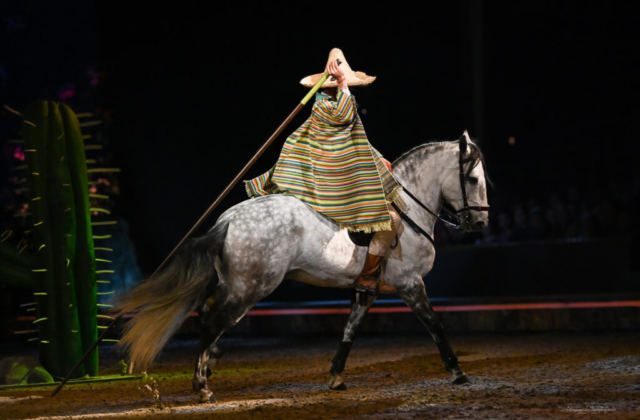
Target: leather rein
x=455, y=221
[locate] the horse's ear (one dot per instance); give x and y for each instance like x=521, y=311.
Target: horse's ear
x=464, y=141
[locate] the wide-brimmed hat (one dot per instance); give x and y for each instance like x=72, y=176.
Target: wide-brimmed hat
x=354, y=78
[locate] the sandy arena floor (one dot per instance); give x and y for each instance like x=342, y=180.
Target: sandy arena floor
x=513, y=376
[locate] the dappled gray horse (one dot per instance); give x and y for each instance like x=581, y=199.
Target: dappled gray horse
x=258, y=243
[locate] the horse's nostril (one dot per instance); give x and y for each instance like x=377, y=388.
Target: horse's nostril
x=481, y=224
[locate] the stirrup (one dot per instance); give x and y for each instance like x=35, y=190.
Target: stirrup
x=362, y=297
x=362, y=293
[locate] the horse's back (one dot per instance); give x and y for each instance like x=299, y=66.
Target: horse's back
x=270, y=212
x=279, y=233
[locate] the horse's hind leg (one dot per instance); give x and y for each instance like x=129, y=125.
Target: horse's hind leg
x=215, y=323
x=214, y=357
x=210, y=334
x=355, y=319
x=214, y=351
x=226, y=310
x=415, y=296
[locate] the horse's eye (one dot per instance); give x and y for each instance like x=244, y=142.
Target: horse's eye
x=473, y=180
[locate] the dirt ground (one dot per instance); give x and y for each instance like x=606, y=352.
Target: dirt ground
x=512, y=376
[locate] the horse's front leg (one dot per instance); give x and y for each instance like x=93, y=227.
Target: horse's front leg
x=415, y=295
x=355, y=319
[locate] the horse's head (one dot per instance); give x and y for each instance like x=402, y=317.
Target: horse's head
x=465, y=189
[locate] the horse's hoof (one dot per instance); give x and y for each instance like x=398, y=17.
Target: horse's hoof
x=460, y=379
x=206, y=396
x=337, y=383
x=341, y=387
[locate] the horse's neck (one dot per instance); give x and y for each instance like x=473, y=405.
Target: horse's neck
x=421, y=173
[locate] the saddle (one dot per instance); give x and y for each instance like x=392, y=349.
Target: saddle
x=361, y=238
x=364, y=239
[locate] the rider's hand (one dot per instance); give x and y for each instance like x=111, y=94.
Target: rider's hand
x=335, y=71
x=387, y=164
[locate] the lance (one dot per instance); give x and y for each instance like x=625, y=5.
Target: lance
x=206, y=214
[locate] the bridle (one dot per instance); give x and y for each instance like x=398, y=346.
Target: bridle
x=456, y=221
x=466, y=207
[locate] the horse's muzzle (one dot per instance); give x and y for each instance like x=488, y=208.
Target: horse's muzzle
x=474, y=220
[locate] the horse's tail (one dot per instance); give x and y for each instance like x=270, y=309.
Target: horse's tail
x=163, y=302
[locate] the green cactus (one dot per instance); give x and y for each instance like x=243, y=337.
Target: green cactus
x=62, y=272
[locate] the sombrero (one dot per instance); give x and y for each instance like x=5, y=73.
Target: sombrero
x=354, y=78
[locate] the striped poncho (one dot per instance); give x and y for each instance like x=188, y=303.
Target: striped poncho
x=329, y=164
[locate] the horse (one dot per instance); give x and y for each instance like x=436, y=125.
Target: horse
x=258, y=243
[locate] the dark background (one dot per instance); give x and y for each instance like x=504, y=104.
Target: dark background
x=193, y=90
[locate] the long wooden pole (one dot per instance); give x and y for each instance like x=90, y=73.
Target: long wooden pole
x=244, y=170
x=206, y=214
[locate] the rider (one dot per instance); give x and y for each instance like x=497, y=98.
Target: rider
x=329, y=164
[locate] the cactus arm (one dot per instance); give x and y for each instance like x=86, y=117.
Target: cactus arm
x=43, y=131
x=63, y=231
x=62, y=268
x=84, y=263
x=35, y=132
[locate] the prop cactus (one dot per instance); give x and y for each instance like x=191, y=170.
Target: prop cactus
x=62, y=267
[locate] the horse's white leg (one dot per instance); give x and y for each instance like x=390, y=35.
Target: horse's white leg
x=415, y=295
x=355, y=319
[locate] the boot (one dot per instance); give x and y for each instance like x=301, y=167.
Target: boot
x=366, y=281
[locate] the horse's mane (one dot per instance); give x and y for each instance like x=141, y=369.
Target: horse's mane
x=475, y=155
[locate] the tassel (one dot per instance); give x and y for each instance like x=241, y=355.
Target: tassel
x=395, y=197
x=247, y=187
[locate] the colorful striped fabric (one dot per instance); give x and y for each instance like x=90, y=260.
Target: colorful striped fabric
x=329, y=164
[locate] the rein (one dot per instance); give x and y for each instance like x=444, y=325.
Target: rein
x=453, y=214
x=456, y=220
x=413, y=224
